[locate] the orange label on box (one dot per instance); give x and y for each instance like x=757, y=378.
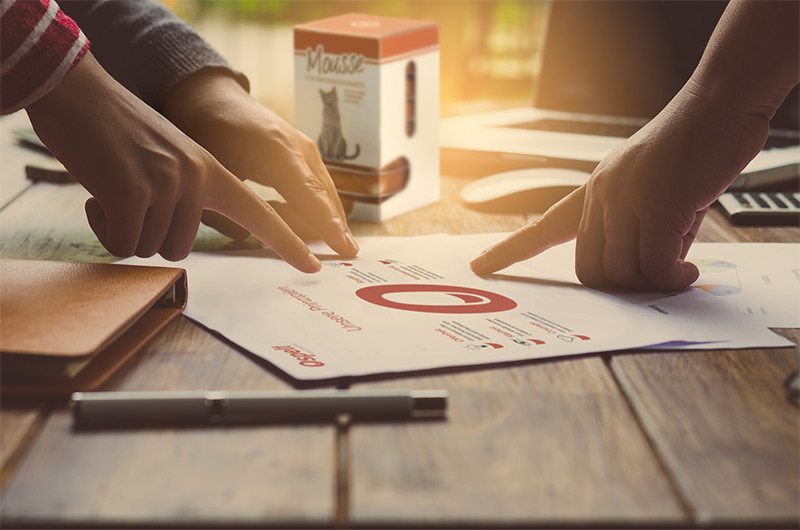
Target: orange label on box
x=373, y=37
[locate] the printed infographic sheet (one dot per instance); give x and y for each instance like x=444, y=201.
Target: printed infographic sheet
x=409, y=304
x=761, y=280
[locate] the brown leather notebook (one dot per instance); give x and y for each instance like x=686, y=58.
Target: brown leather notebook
x=67, y=326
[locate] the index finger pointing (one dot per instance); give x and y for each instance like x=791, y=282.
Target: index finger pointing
x=230, y=197
x=559, y=224
x=310, y=198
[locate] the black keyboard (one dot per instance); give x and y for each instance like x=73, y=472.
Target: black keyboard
x=764, y=208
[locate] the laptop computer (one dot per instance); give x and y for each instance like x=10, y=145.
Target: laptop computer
x=605, y=69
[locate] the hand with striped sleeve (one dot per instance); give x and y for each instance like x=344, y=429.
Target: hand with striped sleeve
x=150, y=182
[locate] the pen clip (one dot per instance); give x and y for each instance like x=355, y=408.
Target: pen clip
x=216, y=404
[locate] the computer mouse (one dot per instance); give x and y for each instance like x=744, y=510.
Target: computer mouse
x=509, y=183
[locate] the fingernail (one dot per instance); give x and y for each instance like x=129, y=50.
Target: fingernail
x=477, y=263
x=313, y=262
x=351, y=241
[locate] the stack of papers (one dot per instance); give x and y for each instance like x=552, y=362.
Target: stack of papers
x=411, y=303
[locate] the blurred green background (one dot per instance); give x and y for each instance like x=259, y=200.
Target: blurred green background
x=487, y=48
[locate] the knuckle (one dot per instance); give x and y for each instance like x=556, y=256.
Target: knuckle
x=660, y=276
x=119, y=247
x=315, y=186
x=175, y=252
x=168, y=186
x=305, y=141
x=627, y=278
x=307, y=146
x=617, y=276
x=584, y=275
x=589, y=275
x=145, y=252
x=137, y=193
x=178, y=174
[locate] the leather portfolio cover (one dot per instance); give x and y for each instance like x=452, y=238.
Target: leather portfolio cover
x=67, y=326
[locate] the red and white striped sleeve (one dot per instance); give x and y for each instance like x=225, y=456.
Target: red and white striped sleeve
x=39, y=45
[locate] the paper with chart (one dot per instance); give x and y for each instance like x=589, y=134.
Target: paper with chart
x=409, y=304
x=761, y=280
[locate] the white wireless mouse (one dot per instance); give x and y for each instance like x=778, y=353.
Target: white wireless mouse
x=520, y=180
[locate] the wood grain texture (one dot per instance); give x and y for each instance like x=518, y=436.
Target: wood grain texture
x=717, y=228
x=157, y=476
x=193, y=476
x=13, y=158
x=18, y=424
x=725, y=428
x=548, y=443
x=721, y=419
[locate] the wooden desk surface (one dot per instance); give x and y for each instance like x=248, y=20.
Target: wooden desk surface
x=669, y=439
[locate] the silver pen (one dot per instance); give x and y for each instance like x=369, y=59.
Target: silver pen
x=130, y=409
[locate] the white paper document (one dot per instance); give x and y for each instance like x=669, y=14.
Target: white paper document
x=762, y=280
x=410, y=304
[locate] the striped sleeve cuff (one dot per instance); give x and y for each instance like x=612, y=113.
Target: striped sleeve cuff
x=39, y=45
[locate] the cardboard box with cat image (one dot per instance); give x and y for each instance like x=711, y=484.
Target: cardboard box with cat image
x=367, y=90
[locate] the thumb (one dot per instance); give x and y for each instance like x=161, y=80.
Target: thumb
x=677, y=277
x=660, y=258
x=97, y=219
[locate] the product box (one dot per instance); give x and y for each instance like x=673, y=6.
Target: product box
x=367, y=91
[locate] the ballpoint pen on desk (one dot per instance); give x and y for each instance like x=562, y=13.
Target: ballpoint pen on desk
x=130, y=409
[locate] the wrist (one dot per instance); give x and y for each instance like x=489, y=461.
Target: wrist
x=65, y=111
x=712, y=128
x=81, y=82
x=724, y=111
x=208, y=89
x=752, y=60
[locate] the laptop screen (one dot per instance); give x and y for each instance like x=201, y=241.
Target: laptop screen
x=627, y=58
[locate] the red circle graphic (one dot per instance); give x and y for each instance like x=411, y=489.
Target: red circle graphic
x=471, y=300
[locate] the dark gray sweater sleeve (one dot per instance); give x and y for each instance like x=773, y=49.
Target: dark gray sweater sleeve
x=144, y=46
